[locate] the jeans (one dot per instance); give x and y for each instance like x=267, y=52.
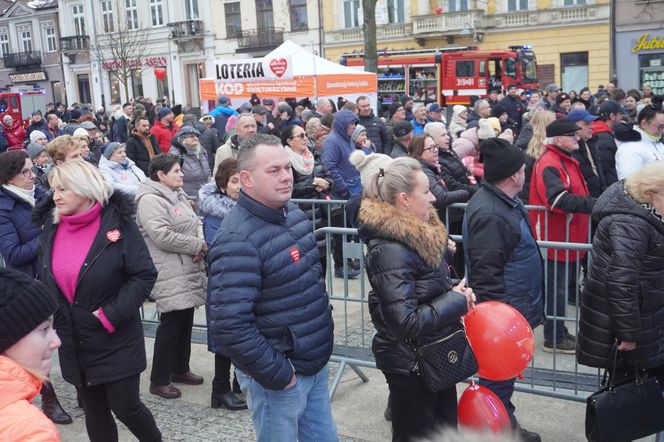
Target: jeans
x=558, y=285
x=417, y=411
x=172, y=345
x=504, y=390
x=120, y=397
x=302, y=412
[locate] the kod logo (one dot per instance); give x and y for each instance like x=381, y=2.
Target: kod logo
x=230, y=89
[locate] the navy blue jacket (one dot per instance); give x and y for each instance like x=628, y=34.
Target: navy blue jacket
x=269, y=310
x=503, y=260
x=336, y=151
x=19, y=238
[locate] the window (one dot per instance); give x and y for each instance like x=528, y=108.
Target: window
x=351, y=8
x=395, y=11
x=50, y=42
x=137, y=82
x=264, y=14
x=233, y=19
x=651, y=67
x=191, y=9
x=298, y=14
x=115, y=87
x=156, y=12
x=132, y=14
x=4, y=41
x=25, y=38
x=79, y=19
x=457, y=5
x=517, y=5
x=107, y=16
x=465, y=68
x=574, y=2
x=574, y=70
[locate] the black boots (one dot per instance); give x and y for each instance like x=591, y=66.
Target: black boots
x=52, y=408
x=227, y=400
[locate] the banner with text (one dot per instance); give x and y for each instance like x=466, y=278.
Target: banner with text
x=254, y=69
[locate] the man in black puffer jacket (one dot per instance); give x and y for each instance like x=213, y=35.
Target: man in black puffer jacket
x=502, y=257
x=375, y=127
x=269, y=310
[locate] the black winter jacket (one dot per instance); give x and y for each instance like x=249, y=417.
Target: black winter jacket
x=118, y=276
x=503, y=260
x=209, y=140
x=594, y=177
x=376, y=132
x=444, y=196
x=269, y=310
x=411, y=298
x=137, y=152
x=454, y=173
x=623, y=298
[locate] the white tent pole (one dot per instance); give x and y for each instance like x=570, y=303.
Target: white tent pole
x=313, y=57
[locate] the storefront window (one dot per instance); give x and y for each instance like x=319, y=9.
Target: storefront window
x=651, y=68
x=574, y=70
x=162, y=87
x=115, y=88
x=137, y=82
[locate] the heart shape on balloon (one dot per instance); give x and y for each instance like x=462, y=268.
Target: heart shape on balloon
x=279, y=67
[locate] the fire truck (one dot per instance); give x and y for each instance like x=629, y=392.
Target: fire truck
x=450, y=76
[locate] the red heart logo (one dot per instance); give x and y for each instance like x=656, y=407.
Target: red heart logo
x=295, y=254
x=279, y=67
x=113, y=235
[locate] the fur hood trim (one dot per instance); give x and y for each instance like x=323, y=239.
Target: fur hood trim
x=211, y=202
x=122, y=203
x=386, y=221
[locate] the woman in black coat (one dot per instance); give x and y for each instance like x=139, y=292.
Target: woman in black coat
x=95, y=262
x=411, y=297
x=623, y=298
x=310, y=180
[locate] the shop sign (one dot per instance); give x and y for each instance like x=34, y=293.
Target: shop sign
x=654, y=79
x=254, y=69
x=646, y=43
x=27, y=77
x=149, y=62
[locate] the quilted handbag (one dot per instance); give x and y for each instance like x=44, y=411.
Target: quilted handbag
x=626, y=410
x=445, y=360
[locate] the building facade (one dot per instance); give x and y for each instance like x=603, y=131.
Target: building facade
x=570, y=37
x=29, y=48
x=113, y=50
x=639, y=44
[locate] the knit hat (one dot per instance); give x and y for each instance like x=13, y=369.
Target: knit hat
x=75, y=114
x=367, y=165
x=561, y=127
x=187, y=131
x=402, y=128
x=36, y=135
x=80, y=132
x=356, y=133
x=35, y=149
x=24, y=304
x=484, y=130
x=163, y=112
x=458, y=109
x=494, y=123
x=109, y=148
x=394, y=107
x=501, y=159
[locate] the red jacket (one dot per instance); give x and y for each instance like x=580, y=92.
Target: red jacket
x=15, y=135
x=557, y=183
x=164, y=134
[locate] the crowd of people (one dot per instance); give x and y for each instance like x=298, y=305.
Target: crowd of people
x=107, y=211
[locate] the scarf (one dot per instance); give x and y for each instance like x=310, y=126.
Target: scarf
x=650, y=208
x=146, y=142
x=302, y=163
x=26, y=195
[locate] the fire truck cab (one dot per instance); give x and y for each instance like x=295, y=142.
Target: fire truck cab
x=451, y=75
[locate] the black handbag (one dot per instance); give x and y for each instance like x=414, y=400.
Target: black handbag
x=446, y=360
x=626, y=410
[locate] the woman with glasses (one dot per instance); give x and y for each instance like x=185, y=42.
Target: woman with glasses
x=310, y=179
x=19, y=238
x=425, y=149
x=645, y=143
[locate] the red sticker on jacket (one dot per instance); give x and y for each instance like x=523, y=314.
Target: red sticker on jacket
x=113, y=235
x=295, y=254
x=178, y=211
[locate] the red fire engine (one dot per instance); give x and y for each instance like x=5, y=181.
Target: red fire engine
x=450, y=76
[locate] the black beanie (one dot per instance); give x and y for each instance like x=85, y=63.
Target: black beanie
x=501, y=159
x=24, y=304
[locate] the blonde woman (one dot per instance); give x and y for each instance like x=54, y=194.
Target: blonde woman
x=536, y=145
x=97, y=265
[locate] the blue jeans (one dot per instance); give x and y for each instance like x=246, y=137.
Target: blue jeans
x=302, y=412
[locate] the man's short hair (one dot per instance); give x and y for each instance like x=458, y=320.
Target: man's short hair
x=480, y=103
x=247, y=149
x=125, y=105
x=361, y=97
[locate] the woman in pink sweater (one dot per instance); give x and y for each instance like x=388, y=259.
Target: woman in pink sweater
x=98, y=267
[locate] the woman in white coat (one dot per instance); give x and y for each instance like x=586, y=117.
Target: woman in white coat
x=120, y=171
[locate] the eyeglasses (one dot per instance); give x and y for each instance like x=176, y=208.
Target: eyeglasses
x=658, y=127
x=302, y=135
x=433, y=149
x=27, y=173
x=574, y=135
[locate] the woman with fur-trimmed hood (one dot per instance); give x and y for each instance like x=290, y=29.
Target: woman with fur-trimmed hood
x=411, y=298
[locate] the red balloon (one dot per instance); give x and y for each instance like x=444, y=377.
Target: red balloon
x=480, y=409
x=501, y=339
x=438, y=10
x=160, y=73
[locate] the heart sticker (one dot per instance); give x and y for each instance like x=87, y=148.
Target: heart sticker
x=279, y=67
x=295, y=254
x=113, y=235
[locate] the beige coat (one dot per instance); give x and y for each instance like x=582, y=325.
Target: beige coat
x=226, y=150
x=174, y=235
